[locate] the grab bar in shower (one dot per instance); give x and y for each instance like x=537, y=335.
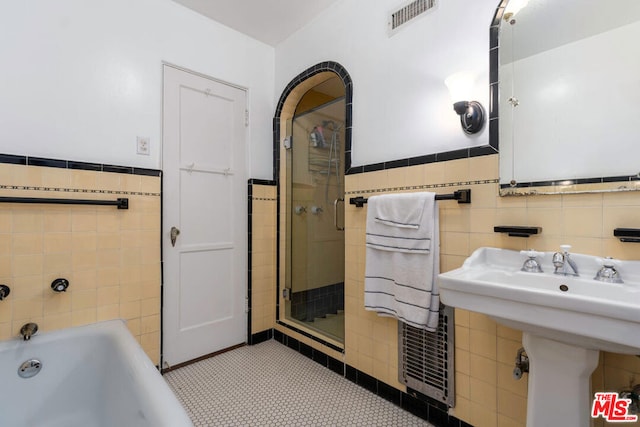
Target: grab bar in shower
x=121, y=203
x=462, y=196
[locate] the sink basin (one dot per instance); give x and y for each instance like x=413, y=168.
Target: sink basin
x=566, y=321
x=576, y=310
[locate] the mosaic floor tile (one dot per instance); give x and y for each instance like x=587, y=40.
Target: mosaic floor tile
x=270, y=384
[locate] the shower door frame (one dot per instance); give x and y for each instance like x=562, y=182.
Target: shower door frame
x=316, y=292
x=285, y=111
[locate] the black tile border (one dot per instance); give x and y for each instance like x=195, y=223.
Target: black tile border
x=260, y=337
x=75, y=165
x=327, y=66
x=308, y=335
x=463, y=153
x=412, y=401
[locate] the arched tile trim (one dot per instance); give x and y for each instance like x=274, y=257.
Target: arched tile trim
x=341, y=72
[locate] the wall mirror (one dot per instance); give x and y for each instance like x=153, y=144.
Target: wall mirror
x=569, y=91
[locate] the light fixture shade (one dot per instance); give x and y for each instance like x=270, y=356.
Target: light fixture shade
x=460, y=85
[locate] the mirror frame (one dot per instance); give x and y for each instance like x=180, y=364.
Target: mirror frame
x=566, y=186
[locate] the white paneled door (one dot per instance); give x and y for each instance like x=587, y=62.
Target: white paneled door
x=205, y=216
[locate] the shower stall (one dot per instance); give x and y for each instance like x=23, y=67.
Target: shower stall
x=314, y=287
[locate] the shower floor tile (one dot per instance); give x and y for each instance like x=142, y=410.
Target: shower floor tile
x=270, y=384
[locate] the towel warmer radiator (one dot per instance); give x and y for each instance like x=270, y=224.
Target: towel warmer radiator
x=426, y=359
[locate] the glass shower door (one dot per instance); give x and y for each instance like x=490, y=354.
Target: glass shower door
x=316, y=212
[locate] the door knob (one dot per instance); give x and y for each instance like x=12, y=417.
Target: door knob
x=174, y=235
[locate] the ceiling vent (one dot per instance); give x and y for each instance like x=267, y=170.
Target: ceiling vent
x=408, y=12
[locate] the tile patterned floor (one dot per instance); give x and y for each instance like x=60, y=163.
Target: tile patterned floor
x=271, y=385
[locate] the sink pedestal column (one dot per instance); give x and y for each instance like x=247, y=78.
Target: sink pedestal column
x=559, y=383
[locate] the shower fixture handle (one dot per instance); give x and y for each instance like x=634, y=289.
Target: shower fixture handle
x=4, y=292
x=174, y=235
x=60, y=285
x=335, y=213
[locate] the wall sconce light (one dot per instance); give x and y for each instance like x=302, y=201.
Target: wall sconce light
x=471, y=112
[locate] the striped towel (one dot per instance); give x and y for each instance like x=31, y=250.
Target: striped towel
x=403, y=261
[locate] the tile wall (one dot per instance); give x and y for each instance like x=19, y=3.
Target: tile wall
x=263, y=257
x=486, y=393
x=111, y=257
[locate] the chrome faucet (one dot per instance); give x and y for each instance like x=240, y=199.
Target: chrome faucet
x=563, y=262
x=608, y=272
x=531, y=265
x=28, y=330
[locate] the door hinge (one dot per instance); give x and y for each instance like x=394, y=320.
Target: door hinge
x=286, y=293
x=246, y=305
x=246, y=118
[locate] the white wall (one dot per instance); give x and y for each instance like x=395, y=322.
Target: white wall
x=80, y=79
x=401, y=105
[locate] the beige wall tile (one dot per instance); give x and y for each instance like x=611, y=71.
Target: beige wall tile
x=484, y=196
x=457, y=171
x=26, y=287
x=461, y=337
x=483, y=369
x=484, y=167
x=82, y=221
x=27, y=222
x=83, y=299
x=582, y=221
x=512, y=405
x=507, y=349
x=27, y=243
x=481, y=322
x=507, y=382
x=6, y=243
x=83, y=317
x=52, y=322
x=483, y=393
x=108, y=312
x=483, y=343
x=27, y=265
x=56, y=177
x=55, y=304
x=82, y=244
x=57, y=221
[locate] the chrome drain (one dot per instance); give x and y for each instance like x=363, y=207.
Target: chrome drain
x=29, y=368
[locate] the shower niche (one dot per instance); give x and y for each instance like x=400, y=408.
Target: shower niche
x=315, y=213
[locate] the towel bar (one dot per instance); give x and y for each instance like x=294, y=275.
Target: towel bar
x=462, y=196
x=121, y=203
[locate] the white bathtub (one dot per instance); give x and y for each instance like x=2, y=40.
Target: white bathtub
x=91, y=376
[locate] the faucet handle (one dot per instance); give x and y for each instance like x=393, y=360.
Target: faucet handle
x=4, y=292
x=531, y=265
x=609, y=262
x=532, y=253
x=565, y=248
x=608, y=272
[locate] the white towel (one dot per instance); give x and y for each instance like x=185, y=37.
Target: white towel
x=405, y=211
x=402, y=263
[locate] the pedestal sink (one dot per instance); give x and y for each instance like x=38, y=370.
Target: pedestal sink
x=566, y=321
